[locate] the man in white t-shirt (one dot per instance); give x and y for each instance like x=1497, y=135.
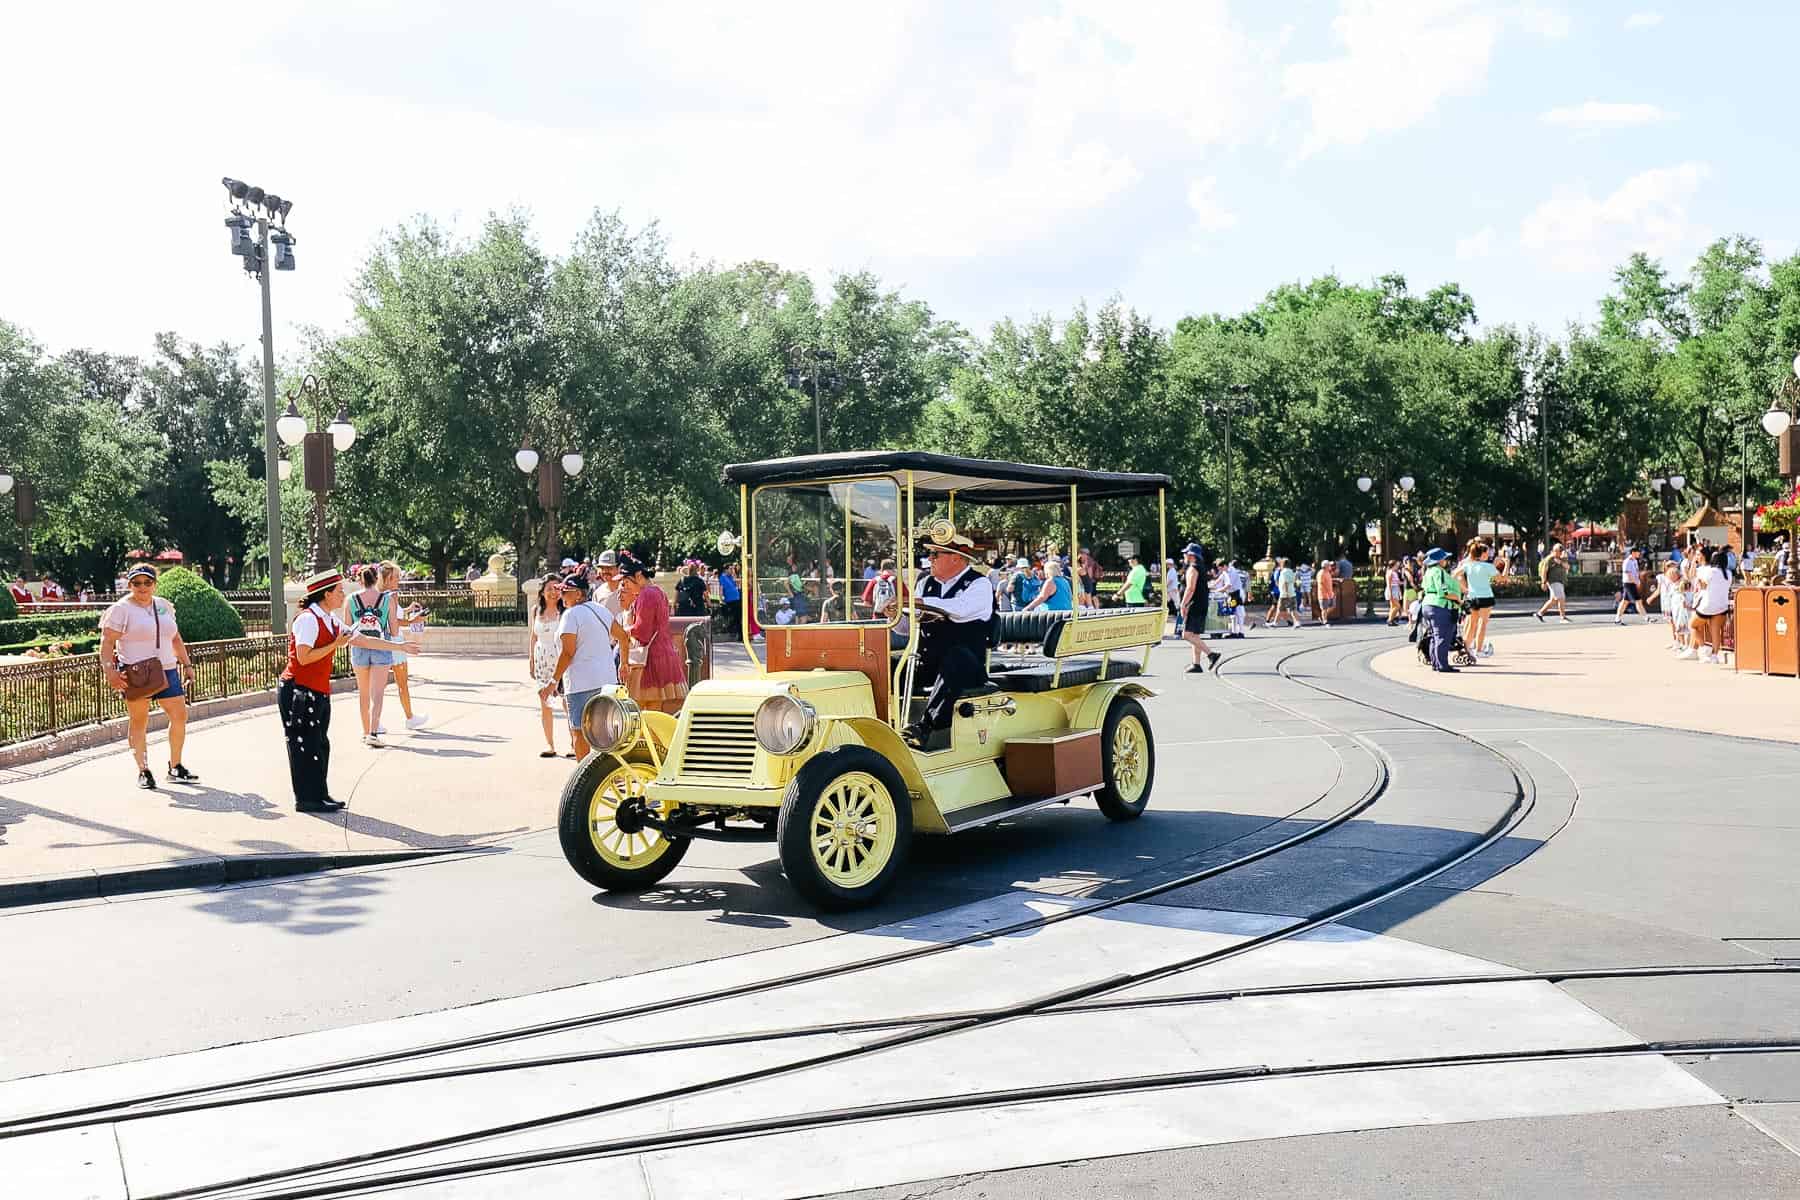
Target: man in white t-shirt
x=589, y=662
x=1631, y=588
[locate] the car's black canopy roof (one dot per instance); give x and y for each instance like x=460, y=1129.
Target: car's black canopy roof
x=935, y=476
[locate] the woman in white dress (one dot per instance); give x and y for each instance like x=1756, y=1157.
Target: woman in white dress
x=545, y=649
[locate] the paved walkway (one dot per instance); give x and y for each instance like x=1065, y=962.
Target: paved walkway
x=1598, y=669
x=472, y=776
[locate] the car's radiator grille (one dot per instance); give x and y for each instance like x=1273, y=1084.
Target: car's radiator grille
x=720, y=744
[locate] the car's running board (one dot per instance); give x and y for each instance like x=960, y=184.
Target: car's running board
x=1011, y=806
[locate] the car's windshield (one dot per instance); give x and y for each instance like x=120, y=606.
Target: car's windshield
x=826, y=553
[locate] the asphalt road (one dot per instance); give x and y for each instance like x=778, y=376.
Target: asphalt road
x=1643, y=847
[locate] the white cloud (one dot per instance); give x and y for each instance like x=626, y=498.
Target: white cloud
x=1595, y=115
x=1643, y=20
x=1573, y=231
x=1479, y=244
x=1210, y=216
x=1400, y=61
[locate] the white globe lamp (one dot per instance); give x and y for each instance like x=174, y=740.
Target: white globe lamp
x=526, y=459
x=572, y=464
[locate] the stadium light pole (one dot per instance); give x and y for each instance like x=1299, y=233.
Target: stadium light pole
x=254, y=208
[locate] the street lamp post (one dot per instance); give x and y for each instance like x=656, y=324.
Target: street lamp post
x=25, y=512
x=1667, y=485
x=550, y=490
x=816, y=366
x=319, y=459
x=1780, y=423
x=1234, y=403
x=252, y=207
x=1365, y=482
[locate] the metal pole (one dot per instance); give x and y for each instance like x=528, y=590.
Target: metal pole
x=1745, y=534
x=1230, y=515
x=1544, y=437
x=271, y=444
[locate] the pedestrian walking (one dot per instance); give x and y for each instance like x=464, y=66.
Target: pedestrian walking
x=1172, y=592
x=1193, y=606
x=143, y=658
x=544, y=649
x=1239, y=591
x=371, y=611
x=1442, y=595
x=1056, y=593
x=1395, y=586
x=1631, y=587
x=690, y=591
x=1303, y=579
x=1713, y=601
x=1137, y=580
x=304, y=697
x=657, y=671
x=400, y=670
x=1285, y=594
x=731, y=600
x=1328, y=592
x=1553, y=573
x=587, y=662
x=1477, y=574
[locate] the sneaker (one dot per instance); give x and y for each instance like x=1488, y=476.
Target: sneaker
x=146, y=780
x=180, y=774
x=1195, y=669
x=1618, y=620
x=1566, y=621
x=1539, y=616
x=418, y=721
x=1212, y=659
x=1648, y=620
x=370, y=739
x=1487, y=651
x=1685, y=652
x=380, y=729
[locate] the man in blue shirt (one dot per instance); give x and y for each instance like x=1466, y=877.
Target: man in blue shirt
x=731, y=597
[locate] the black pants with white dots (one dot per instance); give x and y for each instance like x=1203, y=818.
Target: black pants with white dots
x=306, y=721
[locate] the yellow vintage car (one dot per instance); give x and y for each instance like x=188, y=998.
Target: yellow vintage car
x=809, y=750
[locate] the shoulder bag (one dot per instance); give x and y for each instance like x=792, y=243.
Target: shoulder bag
x=146, y=678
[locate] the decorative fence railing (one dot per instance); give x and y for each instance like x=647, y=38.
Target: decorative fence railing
x=58, y=694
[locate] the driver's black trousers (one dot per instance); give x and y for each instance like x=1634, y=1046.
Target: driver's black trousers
x=953, y=672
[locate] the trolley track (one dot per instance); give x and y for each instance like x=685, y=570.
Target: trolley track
x=998, y=1097
x=222, y=1094
x=1515, y=812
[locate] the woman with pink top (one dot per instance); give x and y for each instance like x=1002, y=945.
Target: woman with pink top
x=657, y=673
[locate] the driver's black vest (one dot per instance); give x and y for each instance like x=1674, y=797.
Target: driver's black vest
x=937, y=638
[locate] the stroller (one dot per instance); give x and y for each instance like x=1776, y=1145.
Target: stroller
x=1420, y=635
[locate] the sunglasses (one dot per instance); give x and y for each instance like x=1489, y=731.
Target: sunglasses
x=140, y=581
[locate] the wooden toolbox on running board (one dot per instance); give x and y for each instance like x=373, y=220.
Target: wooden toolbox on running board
x=1053, y=765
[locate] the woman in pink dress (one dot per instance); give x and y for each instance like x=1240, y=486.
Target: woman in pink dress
x=657, y=673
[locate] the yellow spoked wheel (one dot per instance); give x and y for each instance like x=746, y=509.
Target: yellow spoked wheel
x=600, y=836
x=853, y=829
x=1127, y=760
x=845, y=827
x=632, y=845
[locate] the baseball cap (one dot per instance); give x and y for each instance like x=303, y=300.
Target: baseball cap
x=607, y=558
x=567, y=563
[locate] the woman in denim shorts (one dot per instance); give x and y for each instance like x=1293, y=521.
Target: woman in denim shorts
x=369, y=616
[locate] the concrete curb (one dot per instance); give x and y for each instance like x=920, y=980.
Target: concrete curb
x=207, y=871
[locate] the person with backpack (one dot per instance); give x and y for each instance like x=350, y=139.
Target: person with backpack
x=1553, y=573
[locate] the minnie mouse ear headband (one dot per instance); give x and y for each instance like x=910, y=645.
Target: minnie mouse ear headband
x=140, y=569
x=322, y=581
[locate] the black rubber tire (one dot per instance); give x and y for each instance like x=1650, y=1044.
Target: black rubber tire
x=1112, y=804
x=578, y=847
x=793, y=840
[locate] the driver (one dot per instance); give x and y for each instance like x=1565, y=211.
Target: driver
x=956, y=604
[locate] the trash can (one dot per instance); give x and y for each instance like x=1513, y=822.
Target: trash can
x=1749, y=608
x=1781, y=630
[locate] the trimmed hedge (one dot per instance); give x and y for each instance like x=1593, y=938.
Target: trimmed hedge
x=9, y=608
x=201, y=610
x=55, y=627
x=85, y=643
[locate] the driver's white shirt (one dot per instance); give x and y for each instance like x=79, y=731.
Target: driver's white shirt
x=973, y=603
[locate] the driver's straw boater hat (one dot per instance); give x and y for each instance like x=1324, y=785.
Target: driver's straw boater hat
x=942, y=535
x=322, y=581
